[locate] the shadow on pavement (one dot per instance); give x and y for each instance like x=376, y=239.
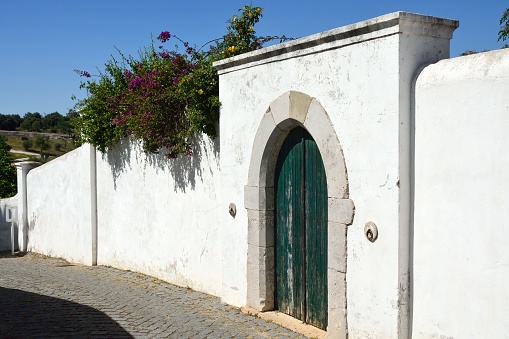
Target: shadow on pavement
x=7, y=255
x=29, y=315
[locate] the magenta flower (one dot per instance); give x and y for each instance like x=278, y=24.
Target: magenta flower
x=135, y=82
x=164, y=36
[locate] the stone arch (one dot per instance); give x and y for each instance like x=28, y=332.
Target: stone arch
x=290, y=110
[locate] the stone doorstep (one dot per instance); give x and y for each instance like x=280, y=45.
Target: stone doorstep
x=286, y=321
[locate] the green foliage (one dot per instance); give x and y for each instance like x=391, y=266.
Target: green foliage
x=3, y=144
x=9, y=122
x=24, y=143
x=27, y=144
x=94, y=123
x=32, y=122
x=36, y=122
x=163, y=97
x=7, y=171
x=42, y=143
x=503, y=34
x=7, y=175
x=241, y=35
x=57, y=146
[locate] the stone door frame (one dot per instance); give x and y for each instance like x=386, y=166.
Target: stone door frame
x=290, y=110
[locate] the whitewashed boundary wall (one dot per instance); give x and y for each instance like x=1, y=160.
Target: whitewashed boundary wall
x=59, y=207
x=5, y=227
x=461, y=253
x=154, y=215
x=160, y=216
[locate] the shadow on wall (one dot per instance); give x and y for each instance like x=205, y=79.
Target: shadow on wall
x=25, y=314
x=5, y=226
x=5, y=238
x=184, y=170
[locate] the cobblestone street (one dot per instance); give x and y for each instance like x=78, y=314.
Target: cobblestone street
x=42, y=297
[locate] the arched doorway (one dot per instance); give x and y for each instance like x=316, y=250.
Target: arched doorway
x=290, y=110
x=300, y=209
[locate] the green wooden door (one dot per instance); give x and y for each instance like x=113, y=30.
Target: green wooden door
x=301, y=230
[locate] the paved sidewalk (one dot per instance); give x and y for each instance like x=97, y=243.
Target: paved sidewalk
x=43, y=297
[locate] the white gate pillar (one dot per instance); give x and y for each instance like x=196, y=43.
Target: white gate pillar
x=23, y=168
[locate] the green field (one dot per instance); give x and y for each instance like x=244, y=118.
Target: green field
x=16, y=156
x=16, y=142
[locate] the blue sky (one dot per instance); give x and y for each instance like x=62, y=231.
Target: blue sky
x=43, y=41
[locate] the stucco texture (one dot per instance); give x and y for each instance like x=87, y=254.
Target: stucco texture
x=159, y=216
x=58, y=200
x=461, y=257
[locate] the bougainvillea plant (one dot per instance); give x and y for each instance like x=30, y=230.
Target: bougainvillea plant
x=163, y=97
x=504, y=26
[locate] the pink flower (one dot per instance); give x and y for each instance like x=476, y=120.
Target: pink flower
x=135, y=82
x=164, y=36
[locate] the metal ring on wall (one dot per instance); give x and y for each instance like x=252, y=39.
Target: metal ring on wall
x=371, y=231
x=232, y=209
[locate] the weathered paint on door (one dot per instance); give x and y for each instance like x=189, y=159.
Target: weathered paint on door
x=301, y=230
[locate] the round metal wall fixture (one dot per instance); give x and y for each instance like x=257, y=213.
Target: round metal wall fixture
x=232, y=209
x=371, y=231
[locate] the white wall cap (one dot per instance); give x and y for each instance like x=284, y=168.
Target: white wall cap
x=24, y=165
x=485, y=65
x=393, y=23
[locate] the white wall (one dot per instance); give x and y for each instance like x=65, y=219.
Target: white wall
x=159, y=216
x=5, y=227
x=461, y=255
x=361, y=98
x=155, y=215
x=357, y=79
x=59, y=205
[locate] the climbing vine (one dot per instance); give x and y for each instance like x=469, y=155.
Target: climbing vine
x=163, y=97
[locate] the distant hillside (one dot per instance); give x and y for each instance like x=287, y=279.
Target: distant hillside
x=34, y=134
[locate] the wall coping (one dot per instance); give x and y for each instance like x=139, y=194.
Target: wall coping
x=27, y=165
x=389, y=24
